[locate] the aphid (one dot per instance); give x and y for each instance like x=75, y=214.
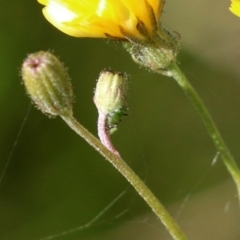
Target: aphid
x=115, y=118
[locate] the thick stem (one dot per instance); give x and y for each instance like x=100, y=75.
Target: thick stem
x=226, y=156
x=130, y=176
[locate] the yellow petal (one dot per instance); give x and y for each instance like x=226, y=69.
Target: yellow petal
x=102, y=18
x=235, y=7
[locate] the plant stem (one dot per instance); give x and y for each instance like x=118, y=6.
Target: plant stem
x=103, y=133
x=227, y=158
x=130, y=176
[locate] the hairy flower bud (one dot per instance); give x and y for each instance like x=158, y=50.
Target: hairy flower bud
x=111, y=97
x=47, y=83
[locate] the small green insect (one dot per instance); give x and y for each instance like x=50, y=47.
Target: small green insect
x=115, y=118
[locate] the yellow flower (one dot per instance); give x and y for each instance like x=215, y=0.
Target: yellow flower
x=235, y=7
x=104, y=18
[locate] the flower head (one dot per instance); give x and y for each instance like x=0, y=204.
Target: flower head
x=235, y=7
x=104, y=18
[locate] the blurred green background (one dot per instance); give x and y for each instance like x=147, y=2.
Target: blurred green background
x=55, y=182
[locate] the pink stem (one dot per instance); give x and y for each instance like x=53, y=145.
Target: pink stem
x=103, y=133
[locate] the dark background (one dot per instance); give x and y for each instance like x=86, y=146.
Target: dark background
x=55, y=182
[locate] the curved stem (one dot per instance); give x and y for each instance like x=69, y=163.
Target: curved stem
x=103, y=133
x=130, y=176
x=227, y=158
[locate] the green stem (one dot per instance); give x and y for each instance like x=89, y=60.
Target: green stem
x=227, y=158
x=130, y=176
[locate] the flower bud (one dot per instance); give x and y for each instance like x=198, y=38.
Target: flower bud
x=47, y=83
x=111, y=97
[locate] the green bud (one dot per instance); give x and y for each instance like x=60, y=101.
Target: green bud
x=47, y=83
x=111, y=97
